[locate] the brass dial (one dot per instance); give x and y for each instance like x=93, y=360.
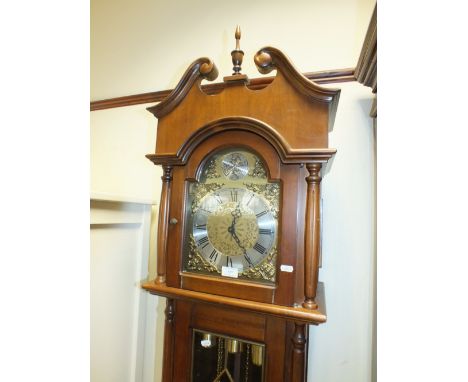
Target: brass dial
x=233, y=217
x=234, y=227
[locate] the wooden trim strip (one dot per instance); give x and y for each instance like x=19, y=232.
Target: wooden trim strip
x=366, y=68
x=299, y=313
x=322, y=77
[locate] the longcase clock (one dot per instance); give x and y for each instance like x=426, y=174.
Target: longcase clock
x=239, y=221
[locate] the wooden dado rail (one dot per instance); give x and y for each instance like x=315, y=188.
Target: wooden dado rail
x=323, y=77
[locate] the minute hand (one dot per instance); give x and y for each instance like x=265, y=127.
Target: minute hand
x=246, y=256
x=236, y=214
x=237, y=240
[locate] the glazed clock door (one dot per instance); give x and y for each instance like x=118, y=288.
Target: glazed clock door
x=226, y=359
x=232, y=219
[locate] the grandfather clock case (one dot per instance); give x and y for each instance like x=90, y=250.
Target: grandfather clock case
x=238, y=241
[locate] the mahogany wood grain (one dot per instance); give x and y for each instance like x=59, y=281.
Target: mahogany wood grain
x=275, y=333
x=300, y=314
x=312, y=236
x=230, y=322
x=228, y=287
x=287, y=154
x=319, y=77
x=168, y=341
x=175, y=232
x=285, y=121
x=287, y=240
x=300, y=234
x=163, y=221
x=298, y=364
x=285, y=125
x=182, y=339
x=366, y=69
x=269, y=58
x=277, y=353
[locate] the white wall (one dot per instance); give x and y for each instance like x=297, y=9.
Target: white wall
x=143, y=46
x=120, y=138
x=122, y=315
x=341, y=349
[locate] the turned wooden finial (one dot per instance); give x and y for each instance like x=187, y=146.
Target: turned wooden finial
x=237, y=54
x=237, y=35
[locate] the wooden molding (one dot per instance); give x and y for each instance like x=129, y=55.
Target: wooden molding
x=285, y=152
x=298, y=314
x=321, y=77
x=199, y=69
x=269, y=58
x=366, y=68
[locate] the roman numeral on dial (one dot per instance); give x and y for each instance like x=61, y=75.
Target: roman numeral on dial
x=264, y=231
x=259, y=248
x=203, y=242
x=228, y=262
x=234, y=196
x=260, y=214
x=200, y=226
x=214, y=255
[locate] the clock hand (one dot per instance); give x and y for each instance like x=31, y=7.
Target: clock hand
x=235, y=214
x=232, y=230
x=237, y=240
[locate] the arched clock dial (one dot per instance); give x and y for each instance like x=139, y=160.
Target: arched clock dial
x=233, y=217
x=234, y=227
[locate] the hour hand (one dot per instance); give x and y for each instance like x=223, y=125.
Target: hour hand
x=235, y=215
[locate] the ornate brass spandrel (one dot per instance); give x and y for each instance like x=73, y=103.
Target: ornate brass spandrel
x=195, y=261
x=258, y=171
x=270, y=192
x=200, y=190
x=211, y=170
x=266, y=270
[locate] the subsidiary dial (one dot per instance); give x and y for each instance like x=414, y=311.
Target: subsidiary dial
x=235, y=166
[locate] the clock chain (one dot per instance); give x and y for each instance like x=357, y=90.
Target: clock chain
x=247, y=359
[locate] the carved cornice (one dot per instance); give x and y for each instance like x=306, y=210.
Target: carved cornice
x=366, y=69
x=199, y=69
x=320, y=77
x=285, y=152
x=269, y=58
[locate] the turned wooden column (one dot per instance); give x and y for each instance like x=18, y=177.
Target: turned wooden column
x=312, y=235
x=168, y=339
x=298, y=360
x=163, y=223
